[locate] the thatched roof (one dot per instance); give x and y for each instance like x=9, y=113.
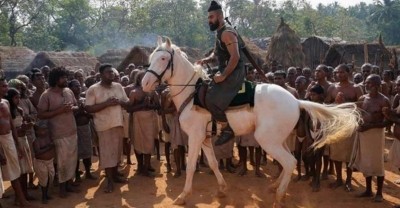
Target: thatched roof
x=194, y=54
x=285, y=47
x=138, y=55
x=69, y=60
x=14, y=60
x=344, y=53
x=114, y=56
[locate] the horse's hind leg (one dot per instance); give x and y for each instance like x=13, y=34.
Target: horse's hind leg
x=212, y=161
x=194, y=149
x=278, y=152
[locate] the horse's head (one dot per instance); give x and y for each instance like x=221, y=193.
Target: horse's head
x=161, y=66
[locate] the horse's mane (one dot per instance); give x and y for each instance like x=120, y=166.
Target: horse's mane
x=199, y=69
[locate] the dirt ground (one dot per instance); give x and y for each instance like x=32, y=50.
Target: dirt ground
x=243, y=191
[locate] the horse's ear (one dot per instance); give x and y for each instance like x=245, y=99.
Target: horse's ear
x=159, y=41
x=168, y=42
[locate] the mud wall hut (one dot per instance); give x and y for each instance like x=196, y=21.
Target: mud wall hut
x=14, y=60
x=377, y=54
x=315, y=48
x=69, y=60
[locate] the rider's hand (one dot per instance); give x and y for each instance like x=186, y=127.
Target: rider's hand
x=219, y=78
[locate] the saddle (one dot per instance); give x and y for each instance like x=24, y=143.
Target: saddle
x=244, y=96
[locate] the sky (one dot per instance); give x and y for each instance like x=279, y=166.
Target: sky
x=344, y=3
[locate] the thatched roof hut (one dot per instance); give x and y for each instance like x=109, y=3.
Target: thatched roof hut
x=256, y=52
x=285, y=47
x=114, y=56
x=262, y=43
x=347, y=53
x=69, y=60
x=314, y=49
x=138, y=55
x=14, y=60
x=194, y=54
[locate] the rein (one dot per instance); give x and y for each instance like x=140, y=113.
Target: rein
x=159, y=77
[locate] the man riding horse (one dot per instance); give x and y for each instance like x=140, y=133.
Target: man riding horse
x=229, y=80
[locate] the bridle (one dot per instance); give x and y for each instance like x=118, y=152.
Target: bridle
x=170, y=65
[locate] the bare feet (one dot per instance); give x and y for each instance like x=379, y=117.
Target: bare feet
x=365, y=194
x=336, y=184
x=378, y=198
x=242, y=172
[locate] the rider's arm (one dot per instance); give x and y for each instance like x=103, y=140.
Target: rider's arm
x=231, y=43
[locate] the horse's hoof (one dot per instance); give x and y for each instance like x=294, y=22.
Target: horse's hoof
x=179, y=201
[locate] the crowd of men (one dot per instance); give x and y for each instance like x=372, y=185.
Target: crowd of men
x=51, y=119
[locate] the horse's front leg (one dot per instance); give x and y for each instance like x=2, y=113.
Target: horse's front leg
x=195, y=141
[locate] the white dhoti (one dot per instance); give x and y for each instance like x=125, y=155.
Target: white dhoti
x=145, y=132
x=44, y=170
x=341, y=151
x=394, y=154
x=368, y=152
x=109, y=145
x=12, y=169
x=26, y=161
x=178, y=136
x=67, y=156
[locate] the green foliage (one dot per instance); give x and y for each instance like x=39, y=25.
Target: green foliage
x=98, y=25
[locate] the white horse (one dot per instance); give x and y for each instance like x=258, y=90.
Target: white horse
x=273, y=117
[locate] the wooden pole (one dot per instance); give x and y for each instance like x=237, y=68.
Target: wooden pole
x=365, y=53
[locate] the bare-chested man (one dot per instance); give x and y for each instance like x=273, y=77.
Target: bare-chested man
x=320, y=75
x=366, y=70
x=291, y=76
x=301, y=87
x=368, y=154
x=144, y=126
x=342, y=92
x=279, y=79
x=9, y=143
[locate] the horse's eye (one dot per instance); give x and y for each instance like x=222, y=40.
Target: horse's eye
x=163, y=59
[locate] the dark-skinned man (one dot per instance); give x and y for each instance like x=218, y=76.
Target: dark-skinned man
x=228, y=81
x=341, y=92
x=368, y=153
x=104, y=101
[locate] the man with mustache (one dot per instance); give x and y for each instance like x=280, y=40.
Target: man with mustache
x=231, y=71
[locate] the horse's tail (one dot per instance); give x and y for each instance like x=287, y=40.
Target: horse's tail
x=336, y=122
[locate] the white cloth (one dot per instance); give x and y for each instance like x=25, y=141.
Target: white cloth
x=111, y=116
x=44, y=170
x=12, y=169
x=67, y=157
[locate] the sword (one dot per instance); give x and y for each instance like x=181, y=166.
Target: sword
x=247, y=53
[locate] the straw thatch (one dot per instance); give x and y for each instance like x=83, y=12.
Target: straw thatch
x=256, y=52
x=69, y=60
x=114, y=56
x=194, y=54
x=262, y=43
x=285, y=47
x=14, y=60
x=349, y=53
x=138, y=55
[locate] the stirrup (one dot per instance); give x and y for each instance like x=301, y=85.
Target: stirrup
x=226, y=135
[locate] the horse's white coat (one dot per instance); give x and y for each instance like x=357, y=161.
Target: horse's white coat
x=273, y=117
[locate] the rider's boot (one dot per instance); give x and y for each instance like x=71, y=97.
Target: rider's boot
x=226, y=134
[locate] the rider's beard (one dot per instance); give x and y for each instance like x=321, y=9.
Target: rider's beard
x=214, y=26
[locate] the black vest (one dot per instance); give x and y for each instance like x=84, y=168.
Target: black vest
x=222, y=52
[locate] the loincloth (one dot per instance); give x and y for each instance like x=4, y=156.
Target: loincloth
x=67, y=157
x=110, y=146
x=12, y=169
x=44, y=170
x=26, y=161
